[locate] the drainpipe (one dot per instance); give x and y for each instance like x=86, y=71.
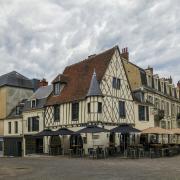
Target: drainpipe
x=23, y=142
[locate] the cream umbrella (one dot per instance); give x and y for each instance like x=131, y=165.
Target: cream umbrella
x=157, y=131
x=176, y=131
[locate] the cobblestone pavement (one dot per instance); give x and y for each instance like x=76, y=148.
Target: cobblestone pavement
x=64, y=168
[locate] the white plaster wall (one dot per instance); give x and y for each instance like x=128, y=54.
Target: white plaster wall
x=33, y=113
x=143, y=124
x=6, y=121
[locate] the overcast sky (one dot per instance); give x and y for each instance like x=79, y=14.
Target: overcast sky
x=38, y=38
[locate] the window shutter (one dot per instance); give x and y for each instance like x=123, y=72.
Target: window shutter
x=29, y=124
x=147, y=113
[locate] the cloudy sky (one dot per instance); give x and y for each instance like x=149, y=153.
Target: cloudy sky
x=38, y=38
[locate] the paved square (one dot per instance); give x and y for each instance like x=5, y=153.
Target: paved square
x=64, y=168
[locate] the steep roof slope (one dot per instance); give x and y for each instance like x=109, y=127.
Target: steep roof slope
x=41, y=96
x=135, y=74
x=79, y=77
x=15, y=79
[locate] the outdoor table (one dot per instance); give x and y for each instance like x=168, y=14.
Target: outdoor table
x=75, y=148
x=70, y=152
x=98, y=150
x=80, y=152
x=92, y=152
x=163, y=151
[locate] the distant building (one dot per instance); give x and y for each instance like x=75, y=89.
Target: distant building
x=154, y=95
x=14, y=87
x=25, y=120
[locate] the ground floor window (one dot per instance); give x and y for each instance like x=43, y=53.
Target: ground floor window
x=1, y=146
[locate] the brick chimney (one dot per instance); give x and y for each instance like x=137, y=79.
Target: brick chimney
x=43, y=82
x=149, y=69
x=125, y=53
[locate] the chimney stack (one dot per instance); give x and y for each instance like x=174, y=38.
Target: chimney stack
x=125, y=53
x=43, y=82
x=149, y=69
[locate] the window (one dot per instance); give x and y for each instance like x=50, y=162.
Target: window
x=18, y=110
x=157, y=103
x=89, y=108
x=156, y=83
x=56, y=113
x=173, y=110
x=167, y=108
x=143, y=113
x=33, y=103
x=116, y=83
x=16, y=127
x=9, y=127
x=162, y=105
x=162, y=87
x=95, y=136
x=75, y=111
x=33, y=124
x=57, y=88
x=122, y=109
x=150, y=99
x=99, y=107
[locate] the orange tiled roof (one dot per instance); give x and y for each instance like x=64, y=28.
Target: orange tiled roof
x=79, y=77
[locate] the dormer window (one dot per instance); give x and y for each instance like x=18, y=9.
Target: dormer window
x=149, y=81
x=162, y=87
x=57, y=88
x=33, y=103
x=18, y=110
x=156, y=84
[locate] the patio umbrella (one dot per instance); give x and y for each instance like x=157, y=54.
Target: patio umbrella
x=157, y=131
x=125, y=129
x=92, y=129
x=46, y=132
x=177, y=133
x=64, y=132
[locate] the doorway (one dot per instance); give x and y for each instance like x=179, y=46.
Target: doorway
x=76, y=142
x=19, y=148
x=55, y=145
x=39, y=146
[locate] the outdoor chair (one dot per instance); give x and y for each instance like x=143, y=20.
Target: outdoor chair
x=152, y=152
x=132, y=152
x=101, y=152
x=92, y=153
x=141, y=152
x=80, y=152
x=70, y=152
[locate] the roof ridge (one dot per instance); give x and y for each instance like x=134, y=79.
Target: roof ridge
x=87, y=59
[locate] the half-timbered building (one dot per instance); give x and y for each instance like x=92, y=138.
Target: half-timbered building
x=93, y=91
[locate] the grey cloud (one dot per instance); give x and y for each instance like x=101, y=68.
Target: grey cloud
x=39, y=38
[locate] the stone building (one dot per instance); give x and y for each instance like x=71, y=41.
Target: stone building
x=25, y=120
x=14, y=87
x=155, y=95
